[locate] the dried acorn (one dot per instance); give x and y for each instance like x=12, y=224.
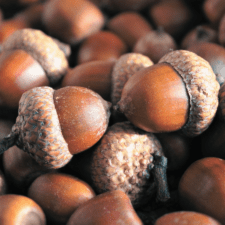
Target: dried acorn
x=178, y=93
x=52, y=125
x=131, y=160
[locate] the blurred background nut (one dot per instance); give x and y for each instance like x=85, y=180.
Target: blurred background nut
x=72, y=21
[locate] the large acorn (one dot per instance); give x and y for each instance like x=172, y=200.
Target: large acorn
x=52, y=125
x=178, y=93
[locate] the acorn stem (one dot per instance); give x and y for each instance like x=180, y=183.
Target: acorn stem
x=161, y=179
x=7, y=142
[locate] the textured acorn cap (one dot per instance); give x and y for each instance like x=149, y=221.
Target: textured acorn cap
x=202, y=88
x=127, y=65
x=38, y=130
x=123, y=161
x=42, y=48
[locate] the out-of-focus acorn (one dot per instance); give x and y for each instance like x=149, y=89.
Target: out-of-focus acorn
x=129, y=26
x=178, y=93
x=201, y=33
x=112, y=207
x=72, y=21
x=29, y=59
x=103, y=45
x=52, y=125
x=155, y=44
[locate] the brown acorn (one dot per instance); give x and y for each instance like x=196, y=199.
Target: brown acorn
x=52, y=125
x=178, y=93
x=130, y=160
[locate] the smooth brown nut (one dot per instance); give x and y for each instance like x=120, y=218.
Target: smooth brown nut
x=174, y=16
x=3, y=184
x=214, y=10
x=201, y=33
x=186, y=217
x=95, y=75
x=19, y=73
x=124, y=160
x=110, y=208
x=201, y=188
x=191, y=98
x=129, y=26
x=214, y=54
x=20, y=210
x=72, y=21
x=42, y=48
x=103, y=45
x=59, y=195
x=54, y=124
x=155, y=44
x=21, y=169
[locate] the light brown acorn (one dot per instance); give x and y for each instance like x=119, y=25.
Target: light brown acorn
x=128, y=159
x=178, y=93
x=52, y=125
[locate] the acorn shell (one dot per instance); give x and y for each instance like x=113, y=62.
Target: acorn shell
x=38, y=128
x=202, y=88
x=42, y=48
x=123, y=160
x=127, y=65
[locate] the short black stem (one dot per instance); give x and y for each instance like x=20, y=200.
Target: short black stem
x=160, y=168
x=7, y=142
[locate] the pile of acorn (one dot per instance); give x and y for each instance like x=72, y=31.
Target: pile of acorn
x=112, y=112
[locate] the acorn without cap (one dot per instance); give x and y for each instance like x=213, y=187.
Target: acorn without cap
x=178, y=93
x=52, y=125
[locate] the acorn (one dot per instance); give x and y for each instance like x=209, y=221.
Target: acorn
x=178, y=93
x=110, y=208
x=52, y=125
x=131, y=160
x=155, y=44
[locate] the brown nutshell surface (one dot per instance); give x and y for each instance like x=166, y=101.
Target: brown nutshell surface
x=42, y=48
x=123, y=160
x=202, y=88
x=127, y=65
x=39, y=130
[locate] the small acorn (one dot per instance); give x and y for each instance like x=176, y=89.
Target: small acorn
x=129, y=159
x=178, y=93
x=52, y=125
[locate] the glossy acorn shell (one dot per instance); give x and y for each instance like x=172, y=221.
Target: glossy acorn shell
x=19, y=73
x=155, y=99
x=59, y=195
x=201, y=188
x=20, y=210
x=110, y=208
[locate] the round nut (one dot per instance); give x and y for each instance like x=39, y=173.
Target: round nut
x=42, y=48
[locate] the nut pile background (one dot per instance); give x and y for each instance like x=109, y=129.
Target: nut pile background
x=100, y=45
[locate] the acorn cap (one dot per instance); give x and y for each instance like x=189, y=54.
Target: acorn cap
x=202, y=88
x=127, y=65
x=123, y=160
x=42, y=48
x=37, y=129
